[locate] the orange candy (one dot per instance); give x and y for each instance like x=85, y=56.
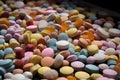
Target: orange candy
x=78, y=23
x=88, y=35
x=71, y=78
x=65, y=26
x=50, y=28
x=4, y=21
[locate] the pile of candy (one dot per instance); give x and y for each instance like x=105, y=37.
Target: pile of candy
x=39, y=41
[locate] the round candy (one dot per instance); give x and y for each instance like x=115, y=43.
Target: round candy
x=18, y=77
x=2, y=71
x=17, y=71
x=27, y=66
x=48, y=52
x=42, y=24
x=103, y=78
x=103, y=66
x=51, y=42
x=47, y=61
x=110, y=51
x=63, y=36
x=8, y=75
x=92, y=49
x=34, y=69
x=61, y=78
x=82, y=75
x=6, y=63
x=62, y=44
x=35, y=59
x=66, y=70
x=99, y=57
x=77, y=65
x=42, y=70
x=109, y=73
x=72, y=58
x=114, y=32
x=90, y=60
x=72, y=32
x=28, y=74
x=91, y=68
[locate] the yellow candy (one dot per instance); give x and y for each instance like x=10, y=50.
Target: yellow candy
x=42, y=70
x=14, y=43
x=45, y=32
x=10, y=56
x=1, y=9
x=33, y=41
x=2, y=46
x=73, y=12
x=77, y=48
x=23, y=24
x=94, y=76
x=66, y=70
x=57, y=19
x=34, y=69
x=15, y=13
x=36, y=36
x=35, y=59
x=72, y=32
x=81, y=16
x=26, y=37
x=92, y=49
x=6, y=45
x=82, y=75
x=114, y=57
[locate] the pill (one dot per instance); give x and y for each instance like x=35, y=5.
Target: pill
x=91, y=68
x=28, y=74
x=90, y=60
x=47, y=61
x=18, y=77
x=72, y=58
x=48, y=52
x=109, y=73
x=103, y=66
x=8, y=75
x=94, y=76
x=62, y=44
x=110, y=51
x=42, y=24
x=77, y=65
x=72, y=32
x=6, y=63
x=63, y=36
x=111, y=62
x=99, y=57
x=82, y=58
x=83, y=42
x=27, y=66
x=35, y=59
x=66, y=70
x=42, y=70
x=34, y=69
x=17, y=71
x=32, y=28
x=82, y=75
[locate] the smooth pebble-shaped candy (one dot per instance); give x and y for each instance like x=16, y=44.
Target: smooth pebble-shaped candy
x=103, y=66
x=99, y=57
x=92, y=49
x=48, y=52
x=47, y=61
x=18, y=77
x=109, y=73
x=63, y=36
x=110, y=51
x=91, y=68
x=114, y=32
x=28, y=74
x=42, y=24
x=62, y=44
x=72, y=32
x=42, y=70
x=19, y=4
x=82, y=75
x=8, y=75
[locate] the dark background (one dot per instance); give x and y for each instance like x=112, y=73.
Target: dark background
x=108, y=4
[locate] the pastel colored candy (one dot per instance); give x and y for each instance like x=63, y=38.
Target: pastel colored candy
x=72, y=32
x=42, y=24
x=111, y=62
x=20, y=3
x=72, y=58
x=8, y=51
x=91, y=68
x=94, y=76
x=110, y=51
x=2, y=41
x=62, y=44
x=3, y=32
x=66, y=70
x=114, y=32
x=2, y=71
x=109, y=73
x=51, y=42
x=28, y=74
x=83, y=42
x=77, y=65
x=92, y=49
x=65, y=53
x=82, y=58
x=103, y=66
x=11, y=68
x=51, y=74
x=18, y=77
x=99, y=57
x=58, y=61
x=34, y=69
x=17, y=71
x=48, y=52
x=32, y=28
x=103, y=78
x=35, y=59
x=83, y=52
x=82, y=75
x=90, y=60
x=42, y=70
x=1, y=54
x=63, y=36
x=27, y=66
x=8, y=75
x=61, y=78
x=47, y=61
x=6, y=63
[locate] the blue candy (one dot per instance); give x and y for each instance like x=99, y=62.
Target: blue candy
x=8, y=51
x=51, y=42
x=6, y=63
x=111, y=62
x=3, y=32
x=111, y=66
x=2, y=41
x=2, y=71
x=90, y=68
x=11, y=68
x=1, y=54
x=84, y=52
x=63, y=36
x=82, y=58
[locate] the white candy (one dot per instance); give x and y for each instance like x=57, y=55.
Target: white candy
x=99, y=57
x=18, y=77
x=102, y=33
x=62, y=44
x=8, y=75
x=19, y=4
x=110, y=51
x=114, y=32
x=28, y=74
x=42, y=24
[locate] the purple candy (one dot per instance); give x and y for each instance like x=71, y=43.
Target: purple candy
x=96, y=36
x=72, y=58
x=111, y=44
x=12, y=22
x=104, y=48
x=11, y=31
x=90, y=60
x=8, y=37
x=118, y=47
x=38, y=17
x=95, y=26
x=99, y=22
x=77, y=65
x=75, y=41
x=68, y=22
x=102, y=78
x=57, y=26
x=16, y=36
x=1, y=37
x=18, y=21
x=109, y=73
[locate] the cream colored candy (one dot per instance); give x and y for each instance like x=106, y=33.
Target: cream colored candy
x=36, y=36
x=72, y=32
x=114, y=32
x=14, y=43
x=35, y=59
x=66, y=70
x=28, y=74
x=42, y=70
x=33, y=41
x=82, y=75
x=42, y=24
x=102, y=33
x=77, y=48
x=94, y=76
x=92, y=49
x=62, y=44
x=73, y=12
x=45, y=32
x=81, y=16
x=34, y=69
